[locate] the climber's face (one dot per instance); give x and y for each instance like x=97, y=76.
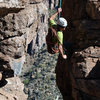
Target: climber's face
x=63, y=29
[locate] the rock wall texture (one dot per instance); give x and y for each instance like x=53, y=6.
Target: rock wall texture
x=53, y=3
x=12, y=90
x=84, y=32
x=23, y=26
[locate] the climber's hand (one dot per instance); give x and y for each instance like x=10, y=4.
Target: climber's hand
x=59, y=10
x=64, y=56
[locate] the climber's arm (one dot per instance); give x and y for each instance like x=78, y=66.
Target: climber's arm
x=60, y=42
x=54, y=15
x=61, y=52
x=61, y=49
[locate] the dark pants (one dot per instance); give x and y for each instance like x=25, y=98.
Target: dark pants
x=68, y=49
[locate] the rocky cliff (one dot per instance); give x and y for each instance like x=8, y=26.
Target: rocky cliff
x=23, y=26
x=79, y=78
x=53, y=3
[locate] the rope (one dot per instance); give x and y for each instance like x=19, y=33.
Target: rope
x=60, y=2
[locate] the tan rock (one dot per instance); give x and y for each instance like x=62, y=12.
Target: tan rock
x=13, y=90
x=0, y=76
x=22, y=28
x=22, y=22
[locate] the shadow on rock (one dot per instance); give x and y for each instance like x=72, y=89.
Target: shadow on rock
x=3, y=82
x=95, y=72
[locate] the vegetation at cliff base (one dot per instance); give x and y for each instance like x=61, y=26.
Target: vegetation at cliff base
x=40, y=79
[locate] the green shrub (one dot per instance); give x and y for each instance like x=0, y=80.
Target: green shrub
x=42, y=65
x=30, y=71
x=38, y=75
x=26, y=81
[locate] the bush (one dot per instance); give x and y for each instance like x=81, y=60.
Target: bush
x=42, y=65
x=30, y=71
x=26, y=81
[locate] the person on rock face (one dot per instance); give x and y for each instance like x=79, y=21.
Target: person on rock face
x=60, y=27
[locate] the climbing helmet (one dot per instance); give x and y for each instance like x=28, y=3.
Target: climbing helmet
x=62, y=22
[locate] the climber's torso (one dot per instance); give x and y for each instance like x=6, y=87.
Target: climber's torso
x=59, y=33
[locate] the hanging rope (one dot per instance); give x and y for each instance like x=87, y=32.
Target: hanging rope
x=60, y=2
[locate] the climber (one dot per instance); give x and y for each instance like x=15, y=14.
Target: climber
x=59, y=27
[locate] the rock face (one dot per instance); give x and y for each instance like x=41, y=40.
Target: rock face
x=12, y=90
x=53, y=3
x=83, y=82
x=23, y=26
